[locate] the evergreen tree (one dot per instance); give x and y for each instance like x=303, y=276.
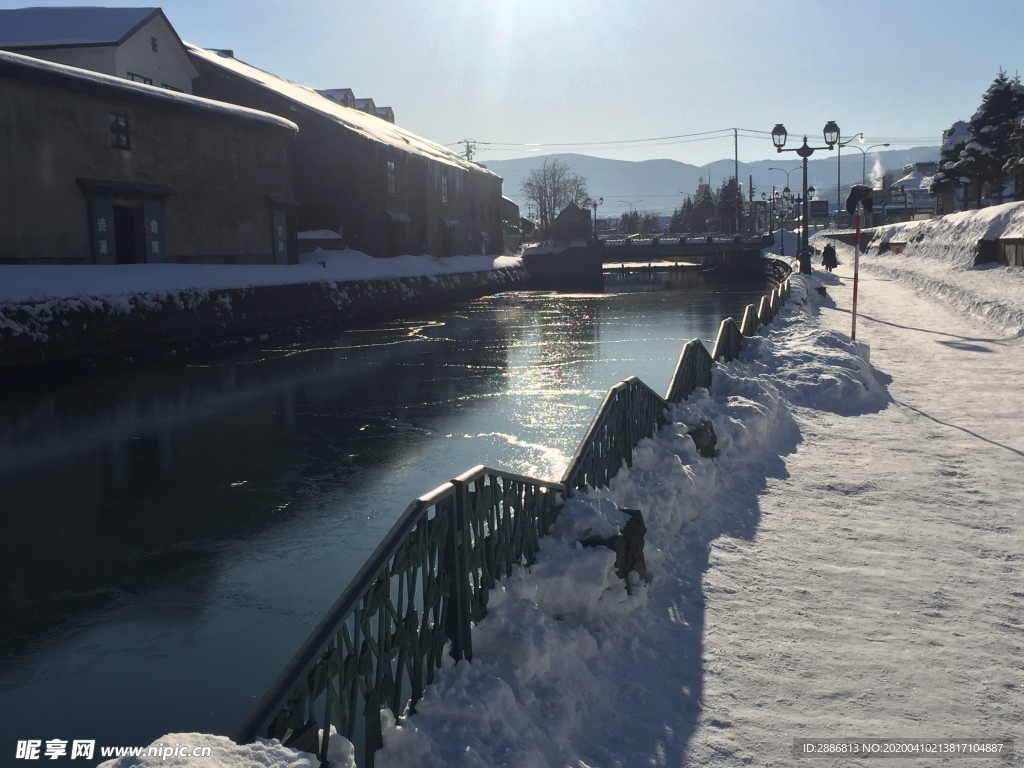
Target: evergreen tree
x=728, y=205
x=947, y=179
x=1014, y=168
x=702, y=212
x=649, y=224
x=675, y=223
x=629, y=223
x=987, y=150
x=681, y=217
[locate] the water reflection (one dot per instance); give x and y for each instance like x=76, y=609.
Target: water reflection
x=187, y=525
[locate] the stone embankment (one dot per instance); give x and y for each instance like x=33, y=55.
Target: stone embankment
x=55, y=333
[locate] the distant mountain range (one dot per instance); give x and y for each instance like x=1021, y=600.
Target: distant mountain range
x=659, y=186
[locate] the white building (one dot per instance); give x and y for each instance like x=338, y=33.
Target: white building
x=136, y=44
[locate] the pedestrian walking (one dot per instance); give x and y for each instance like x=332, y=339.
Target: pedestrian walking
x=828, y=257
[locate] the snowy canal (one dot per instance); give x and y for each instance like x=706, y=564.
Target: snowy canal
x=175, y=532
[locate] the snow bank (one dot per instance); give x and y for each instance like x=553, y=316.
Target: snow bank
x=939, y=262
x=41, y=283
x=953, y=239
x=39, y=303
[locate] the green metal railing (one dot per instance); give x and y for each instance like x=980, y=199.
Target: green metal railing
x=631, y=411
x=381, y=641
x=693, y=371
x=429, y=579
x=752, y=319
x=729, y=342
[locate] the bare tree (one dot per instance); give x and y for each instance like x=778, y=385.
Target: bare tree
x=552, y=187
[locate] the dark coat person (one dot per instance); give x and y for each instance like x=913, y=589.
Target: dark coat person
x=828, y=257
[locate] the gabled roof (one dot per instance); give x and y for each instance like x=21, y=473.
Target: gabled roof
x=340, y=95
x=71, y=26
x=366, y=125
x=32, y=69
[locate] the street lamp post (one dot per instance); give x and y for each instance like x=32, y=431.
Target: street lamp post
x=630, y=204
x=831, y=135
x=785, y=199
x=810, y=196
x=864, y=161
x=785, y=172
x=782, y=208
x=593, y=204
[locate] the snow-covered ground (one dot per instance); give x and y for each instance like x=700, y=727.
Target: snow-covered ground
x=847, y=566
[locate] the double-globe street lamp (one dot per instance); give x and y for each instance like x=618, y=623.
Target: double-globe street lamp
x=831, y=135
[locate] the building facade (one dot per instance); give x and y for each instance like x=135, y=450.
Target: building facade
x=163, y=176
x=102, y=170
x=386, y=190
x=137, y=44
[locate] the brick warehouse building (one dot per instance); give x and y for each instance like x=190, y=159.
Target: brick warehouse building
x=103, y=170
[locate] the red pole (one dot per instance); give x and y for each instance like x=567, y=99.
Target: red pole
x=856, y=265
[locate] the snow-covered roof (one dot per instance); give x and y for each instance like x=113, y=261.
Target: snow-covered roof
x=340, y=95
x=914, y=180
x=70, y=26
x=369, y=126
x=26, y=66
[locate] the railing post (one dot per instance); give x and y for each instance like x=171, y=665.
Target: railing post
x=751, y=320
x=456, y=565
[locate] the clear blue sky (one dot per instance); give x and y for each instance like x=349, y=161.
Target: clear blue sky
x=572, y=74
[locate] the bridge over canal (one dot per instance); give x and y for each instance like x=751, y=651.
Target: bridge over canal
x=696, y=249
x=582, y=267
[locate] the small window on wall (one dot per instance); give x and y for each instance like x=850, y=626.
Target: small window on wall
x=444, y=190
x=119, y=138
x=392, y=186
x=139, y=78
x=152, y=44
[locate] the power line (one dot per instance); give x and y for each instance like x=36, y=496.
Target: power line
x=720, y=133
x=472, y=146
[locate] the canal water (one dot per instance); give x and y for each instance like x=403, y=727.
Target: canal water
x=173, y=533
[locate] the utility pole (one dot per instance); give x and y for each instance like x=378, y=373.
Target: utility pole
x=470, y=148
x=736, y=174
x=750, y=208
